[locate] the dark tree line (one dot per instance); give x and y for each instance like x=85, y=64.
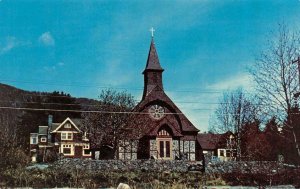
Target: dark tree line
x=17, y=124
x=267, y=123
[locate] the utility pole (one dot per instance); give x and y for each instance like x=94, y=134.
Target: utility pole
x=296, y=95
x=298, y=62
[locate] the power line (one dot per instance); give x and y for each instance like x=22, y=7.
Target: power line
x=79, y=111
x=117, y=88
x=99, y=105
x=98, y=111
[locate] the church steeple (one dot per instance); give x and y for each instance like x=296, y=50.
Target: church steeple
x=153, y=61
x=153, y=71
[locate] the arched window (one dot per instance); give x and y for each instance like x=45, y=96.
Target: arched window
x=163, y=132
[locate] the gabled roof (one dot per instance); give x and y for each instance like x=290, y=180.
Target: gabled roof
x=153, y=61
x=157, y=94
x=72, y=123
x=166, y=121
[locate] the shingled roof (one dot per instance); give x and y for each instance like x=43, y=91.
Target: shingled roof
x=43, y=130
x=208, y=141
x=158, y=95
x=211, y=141
x=153, y=61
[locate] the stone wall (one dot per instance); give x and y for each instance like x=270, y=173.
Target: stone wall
x=174, y=165
x=123, y=165
x=244, y=167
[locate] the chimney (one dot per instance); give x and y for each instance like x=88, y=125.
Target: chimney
x=50, y=121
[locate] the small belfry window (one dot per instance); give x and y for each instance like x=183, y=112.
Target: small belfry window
x=66, y=136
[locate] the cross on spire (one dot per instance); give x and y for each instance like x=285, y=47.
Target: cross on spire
x=152, y=30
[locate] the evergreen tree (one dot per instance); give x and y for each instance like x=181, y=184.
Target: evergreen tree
x=274, y=138
x=291, y=134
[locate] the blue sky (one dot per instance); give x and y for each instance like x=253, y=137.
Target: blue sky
x=81, y=47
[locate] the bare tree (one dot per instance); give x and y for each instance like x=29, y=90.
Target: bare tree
x=234, y=110
x=275, y=75
x=109, y=125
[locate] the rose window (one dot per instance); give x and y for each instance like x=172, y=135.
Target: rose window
x=156, y=111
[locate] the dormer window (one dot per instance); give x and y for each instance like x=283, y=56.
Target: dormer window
x=67, y=125
x=66, y=136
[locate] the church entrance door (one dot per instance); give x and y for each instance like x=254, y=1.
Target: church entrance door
x=164, y=145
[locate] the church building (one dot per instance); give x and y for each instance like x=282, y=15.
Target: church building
x=165, y=132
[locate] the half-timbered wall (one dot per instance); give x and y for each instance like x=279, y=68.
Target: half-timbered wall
x=188, y=148
x=128, y=149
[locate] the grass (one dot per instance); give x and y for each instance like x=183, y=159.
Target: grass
x=75, y=178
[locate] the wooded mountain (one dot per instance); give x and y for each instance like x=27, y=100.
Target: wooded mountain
x=17, y=123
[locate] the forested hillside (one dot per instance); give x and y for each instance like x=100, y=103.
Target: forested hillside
x=22, y=111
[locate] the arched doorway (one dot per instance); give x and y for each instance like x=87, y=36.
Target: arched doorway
x=164, y=144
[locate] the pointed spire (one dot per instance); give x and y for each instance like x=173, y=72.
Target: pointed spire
x=153, y=61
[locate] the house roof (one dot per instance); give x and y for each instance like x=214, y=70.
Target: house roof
x=43, y=130
x=77, y=123
x=153, y=61
x=211, y=141
x=54, y=126
x=208, y=141
x=71, y=121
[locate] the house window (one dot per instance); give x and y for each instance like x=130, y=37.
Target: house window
x=33, y=138
x=67, y=125
x=43, y=139
x=222, y=153
x=188, y=148
x=66, y=136
x=228, y=154
x=128, y=149
x=86, y=150
x=67, y=149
